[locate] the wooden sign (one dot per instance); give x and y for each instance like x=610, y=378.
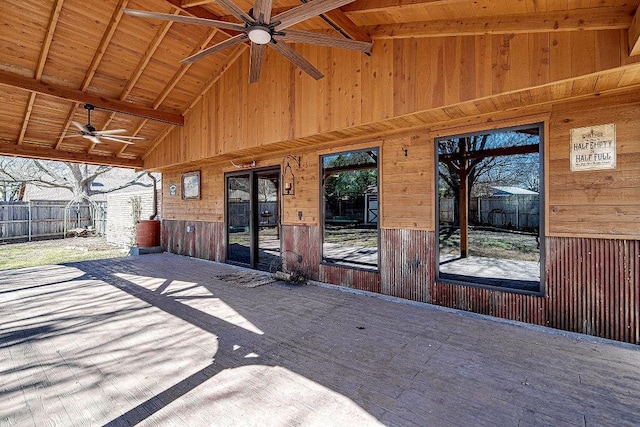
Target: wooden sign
x=593, y=148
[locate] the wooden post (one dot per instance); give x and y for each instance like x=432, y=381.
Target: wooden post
x=463, y=211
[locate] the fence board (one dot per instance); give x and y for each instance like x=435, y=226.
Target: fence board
x=45, y=219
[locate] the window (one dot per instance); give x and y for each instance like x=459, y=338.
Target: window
x=490, y=209
x=350, y=209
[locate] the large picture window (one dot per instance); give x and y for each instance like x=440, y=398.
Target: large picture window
x=490, y=206
x=350, y=209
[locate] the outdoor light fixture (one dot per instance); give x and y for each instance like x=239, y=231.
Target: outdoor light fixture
x=288, y=178
x=259, y=35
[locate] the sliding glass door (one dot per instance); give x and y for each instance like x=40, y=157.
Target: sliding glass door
x=253, y=218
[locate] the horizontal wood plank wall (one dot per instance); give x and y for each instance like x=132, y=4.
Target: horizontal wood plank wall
x=594, y=203
x=407, y=258
x=592, y=287
x=210, y=207
x=303, y=208
x=407, y=183
x=402, y=76
x=206, y=241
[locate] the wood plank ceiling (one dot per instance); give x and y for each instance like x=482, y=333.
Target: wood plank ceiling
x=57, y=55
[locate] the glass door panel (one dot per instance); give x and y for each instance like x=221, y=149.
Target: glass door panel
x=268, y=202
x=239, y=218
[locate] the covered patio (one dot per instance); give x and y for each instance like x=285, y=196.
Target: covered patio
x=171, y=340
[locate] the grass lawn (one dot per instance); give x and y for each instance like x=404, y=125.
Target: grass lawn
x=493, y=243
x=47, y=252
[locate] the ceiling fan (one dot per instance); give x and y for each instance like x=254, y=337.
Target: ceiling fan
x=261, y=29
x=89, y=132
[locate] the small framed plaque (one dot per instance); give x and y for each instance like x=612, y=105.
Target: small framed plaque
x=593, y=148
x=191, y=185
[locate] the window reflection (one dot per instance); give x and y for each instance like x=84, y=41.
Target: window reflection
x=350, y=192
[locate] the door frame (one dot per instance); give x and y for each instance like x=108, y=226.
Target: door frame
x=254, y=214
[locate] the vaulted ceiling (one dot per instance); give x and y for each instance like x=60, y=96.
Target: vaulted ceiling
x=58, y=55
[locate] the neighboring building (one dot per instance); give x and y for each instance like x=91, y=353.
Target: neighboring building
x=122, y=207
x=512, y=191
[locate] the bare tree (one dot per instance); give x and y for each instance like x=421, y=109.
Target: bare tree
x=78, y=178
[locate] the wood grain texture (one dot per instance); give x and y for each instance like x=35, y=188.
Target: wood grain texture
x=412, y=82
x=590, y=204
x=601, y=202
x=206, y=241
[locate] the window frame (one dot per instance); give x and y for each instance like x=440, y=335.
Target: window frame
x=541, y=292
x=321, y=181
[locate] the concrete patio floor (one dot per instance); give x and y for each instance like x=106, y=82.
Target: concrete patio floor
x=168, y=340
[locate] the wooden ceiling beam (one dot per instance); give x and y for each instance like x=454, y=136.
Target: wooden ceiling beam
x=104, y=43
x=9, y=148
x=182, y=70
x=136, y=131
x=108, y=34
x=27, y=117
x=195, y=10
x=574, y=20
x=389, y=5
x=634, y=34
x=193, y=3
x=238, y=50
x=142, y=65
x=346, y=26
x=69, y=94
x=44, y=54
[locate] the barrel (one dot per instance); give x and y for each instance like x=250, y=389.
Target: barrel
x=148, y=233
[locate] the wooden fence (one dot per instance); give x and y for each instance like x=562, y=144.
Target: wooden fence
x=26, y=221
x=519, y=212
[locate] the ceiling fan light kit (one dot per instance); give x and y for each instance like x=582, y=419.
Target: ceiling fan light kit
x=259, y=34
x=263, y=30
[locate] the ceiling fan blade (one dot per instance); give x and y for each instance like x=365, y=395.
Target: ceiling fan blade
x=122, y=141
x=121, y=136
x=184, y=19
x=71, y=135
x=306, y=11
x=262, y=7
x=82, y=127
x=235, y=10
x=295, y=36
x=297, y=59
x=255, y=61
x=92, y=138
x=110, y=132
x=215, y=48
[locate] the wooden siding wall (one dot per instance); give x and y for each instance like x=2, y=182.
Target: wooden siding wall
x=206, y=240
x=209, y=208
x=593, y=238
x=402, y=76
x=595, y=203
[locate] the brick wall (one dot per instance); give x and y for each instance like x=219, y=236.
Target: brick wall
x=123, y=212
